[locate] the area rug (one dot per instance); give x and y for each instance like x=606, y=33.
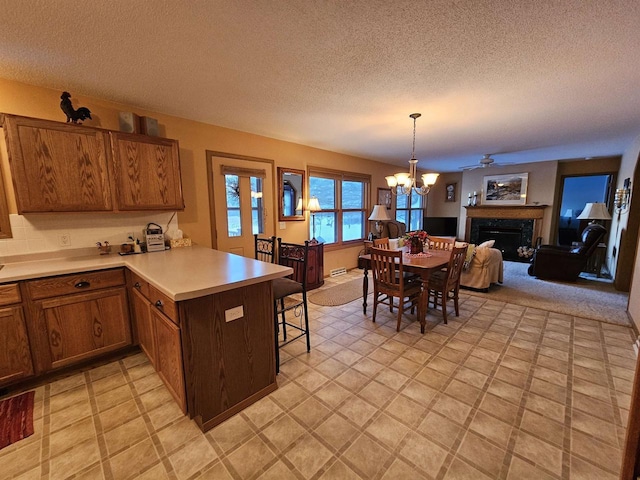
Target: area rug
x=339, y=294
x=587, y=298
x=16, y=418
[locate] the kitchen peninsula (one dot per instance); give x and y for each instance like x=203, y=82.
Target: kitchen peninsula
x=204, y=318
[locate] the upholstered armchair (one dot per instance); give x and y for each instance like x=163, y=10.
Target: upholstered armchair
x=394, y=229
x=557, y=262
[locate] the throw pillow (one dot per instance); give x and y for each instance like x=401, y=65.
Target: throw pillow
x=487, y=244
x=471, y=252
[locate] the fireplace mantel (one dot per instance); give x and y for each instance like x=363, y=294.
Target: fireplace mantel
x=522, y=212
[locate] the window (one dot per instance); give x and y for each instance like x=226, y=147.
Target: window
x=410, y=210
x=343, y=206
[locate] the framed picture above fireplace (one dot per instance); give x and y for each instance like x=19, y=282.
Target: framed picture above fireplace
x=510, y=189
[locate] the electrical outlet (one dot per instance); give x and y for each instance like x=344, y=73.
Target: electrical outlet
x=64, y=240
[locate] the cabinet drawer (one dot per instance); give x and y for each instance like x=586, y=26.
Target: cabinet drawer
x=138, y=283
x=163, y=303
x=75, y=283
x=9, y=293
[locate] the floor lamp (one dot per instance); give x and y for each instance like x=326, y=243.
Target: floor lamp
x=313, y=206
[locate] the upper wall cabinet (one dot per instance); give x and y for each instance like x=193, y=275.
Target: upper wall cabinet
x=60, y=167
x=146, y=172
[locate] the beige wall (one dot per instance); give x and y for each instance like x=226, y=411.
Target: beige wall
x=540, y=188
x=628, y=166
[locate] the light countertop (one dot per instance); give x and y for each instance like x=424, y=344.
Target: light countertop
x=180, y=273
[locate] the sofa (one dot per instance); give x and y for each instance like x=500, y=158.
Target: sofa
x=484, y=268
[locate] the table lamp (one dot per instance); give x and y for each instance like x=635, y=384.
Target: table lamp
x=594, y=211
x=313, y=206
x=379, y=214
x=568, y=214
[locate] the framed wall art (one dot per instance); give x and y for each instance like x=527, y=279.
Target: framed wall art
x=510, y=189
x=451, y=192
x=384, y=197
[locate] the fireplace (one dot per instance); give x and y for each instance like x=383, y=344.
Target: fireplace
x=507, y=238
x=510, y=226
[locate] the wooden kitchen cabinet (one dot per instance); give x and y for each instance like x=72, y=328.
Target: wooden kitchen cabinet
x=78, y=317
x=15, y=352
x=146, y=172
x=157, y=324
x=62, y=167
x=58, y=167
x=169, y=356
x=315, y=266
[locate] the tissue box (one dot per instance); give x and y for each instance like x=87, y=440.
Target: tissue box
x=180, y=242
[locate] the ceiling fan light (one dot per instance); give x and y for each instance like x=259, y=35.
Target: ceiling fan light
x=429, y=178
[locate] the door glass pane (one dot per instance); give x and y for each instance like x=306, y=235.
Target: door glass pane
x=257, y=223
x=234, y=220
x=352, y=195
x=325, y=227
x=576, y=193
x=352, y=226
x=325, y=190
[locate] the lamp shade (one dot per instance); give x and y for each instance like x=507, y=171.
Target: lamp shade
x=568, y=213
x=313, y=205
x=379, y=213
x=594, y=211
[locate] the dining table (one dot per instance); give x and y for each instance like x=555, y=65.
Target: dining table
x=422, y=264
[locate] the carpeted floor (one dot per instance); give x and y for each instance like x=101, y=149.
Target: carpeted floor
x=16, y=418
x=587, y=298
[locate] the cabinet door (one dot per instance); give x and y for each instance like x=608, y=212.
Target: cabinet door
x=79, y=327
x=141, y=309
x=146, y=172
x=169, y=357
x=58, y=167
x=15, y=354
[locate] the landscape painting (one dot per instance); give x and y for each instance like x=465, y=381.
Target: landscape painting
x=510, y=189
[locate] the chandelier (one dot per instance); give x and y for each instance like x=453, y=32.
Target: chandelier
x=402, y=183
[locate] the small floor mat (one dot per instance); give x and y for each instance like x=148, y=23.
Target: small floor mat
x=16, y=418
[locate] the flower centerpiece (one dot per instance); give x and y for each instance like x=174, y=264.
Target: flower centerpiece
x=416, y=240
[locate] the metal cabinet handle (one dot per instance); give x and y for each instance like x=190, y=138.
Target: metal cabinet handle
x=82, y=284
x=137, y=285
x=159, y=304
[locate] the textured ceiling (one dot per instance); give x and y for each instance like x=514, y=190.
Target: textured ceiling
x=526, y=80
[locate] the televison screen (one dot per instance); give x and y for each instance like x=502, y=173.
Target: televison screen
x=441, y=226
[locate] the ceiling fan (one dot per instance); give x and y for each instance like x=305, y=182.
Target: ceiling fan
x=486, y=161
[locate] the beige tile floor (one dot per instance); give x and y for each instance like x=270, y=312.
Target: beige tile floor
x=501, y=392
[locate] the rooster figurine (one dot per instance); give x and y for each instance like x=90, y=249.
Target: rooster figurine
x=72, y=114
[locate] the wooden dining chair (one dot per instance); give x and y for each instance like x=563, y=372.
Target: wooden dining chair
x=441, y=243
x=389, y=282
x=381, y=243
x=445, y=284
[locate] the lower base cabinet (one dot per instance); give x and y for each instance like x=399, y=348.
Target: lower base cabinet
x=15, y=353
x=169, y=357
x=83, y=326
x=158, y=335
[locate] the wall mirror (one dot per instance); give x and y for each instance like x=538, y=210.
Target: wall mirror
x=290, y=194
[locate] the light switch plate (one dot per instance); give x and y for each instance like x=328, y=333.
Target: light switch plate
x=282, y=225
x=234, y=313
